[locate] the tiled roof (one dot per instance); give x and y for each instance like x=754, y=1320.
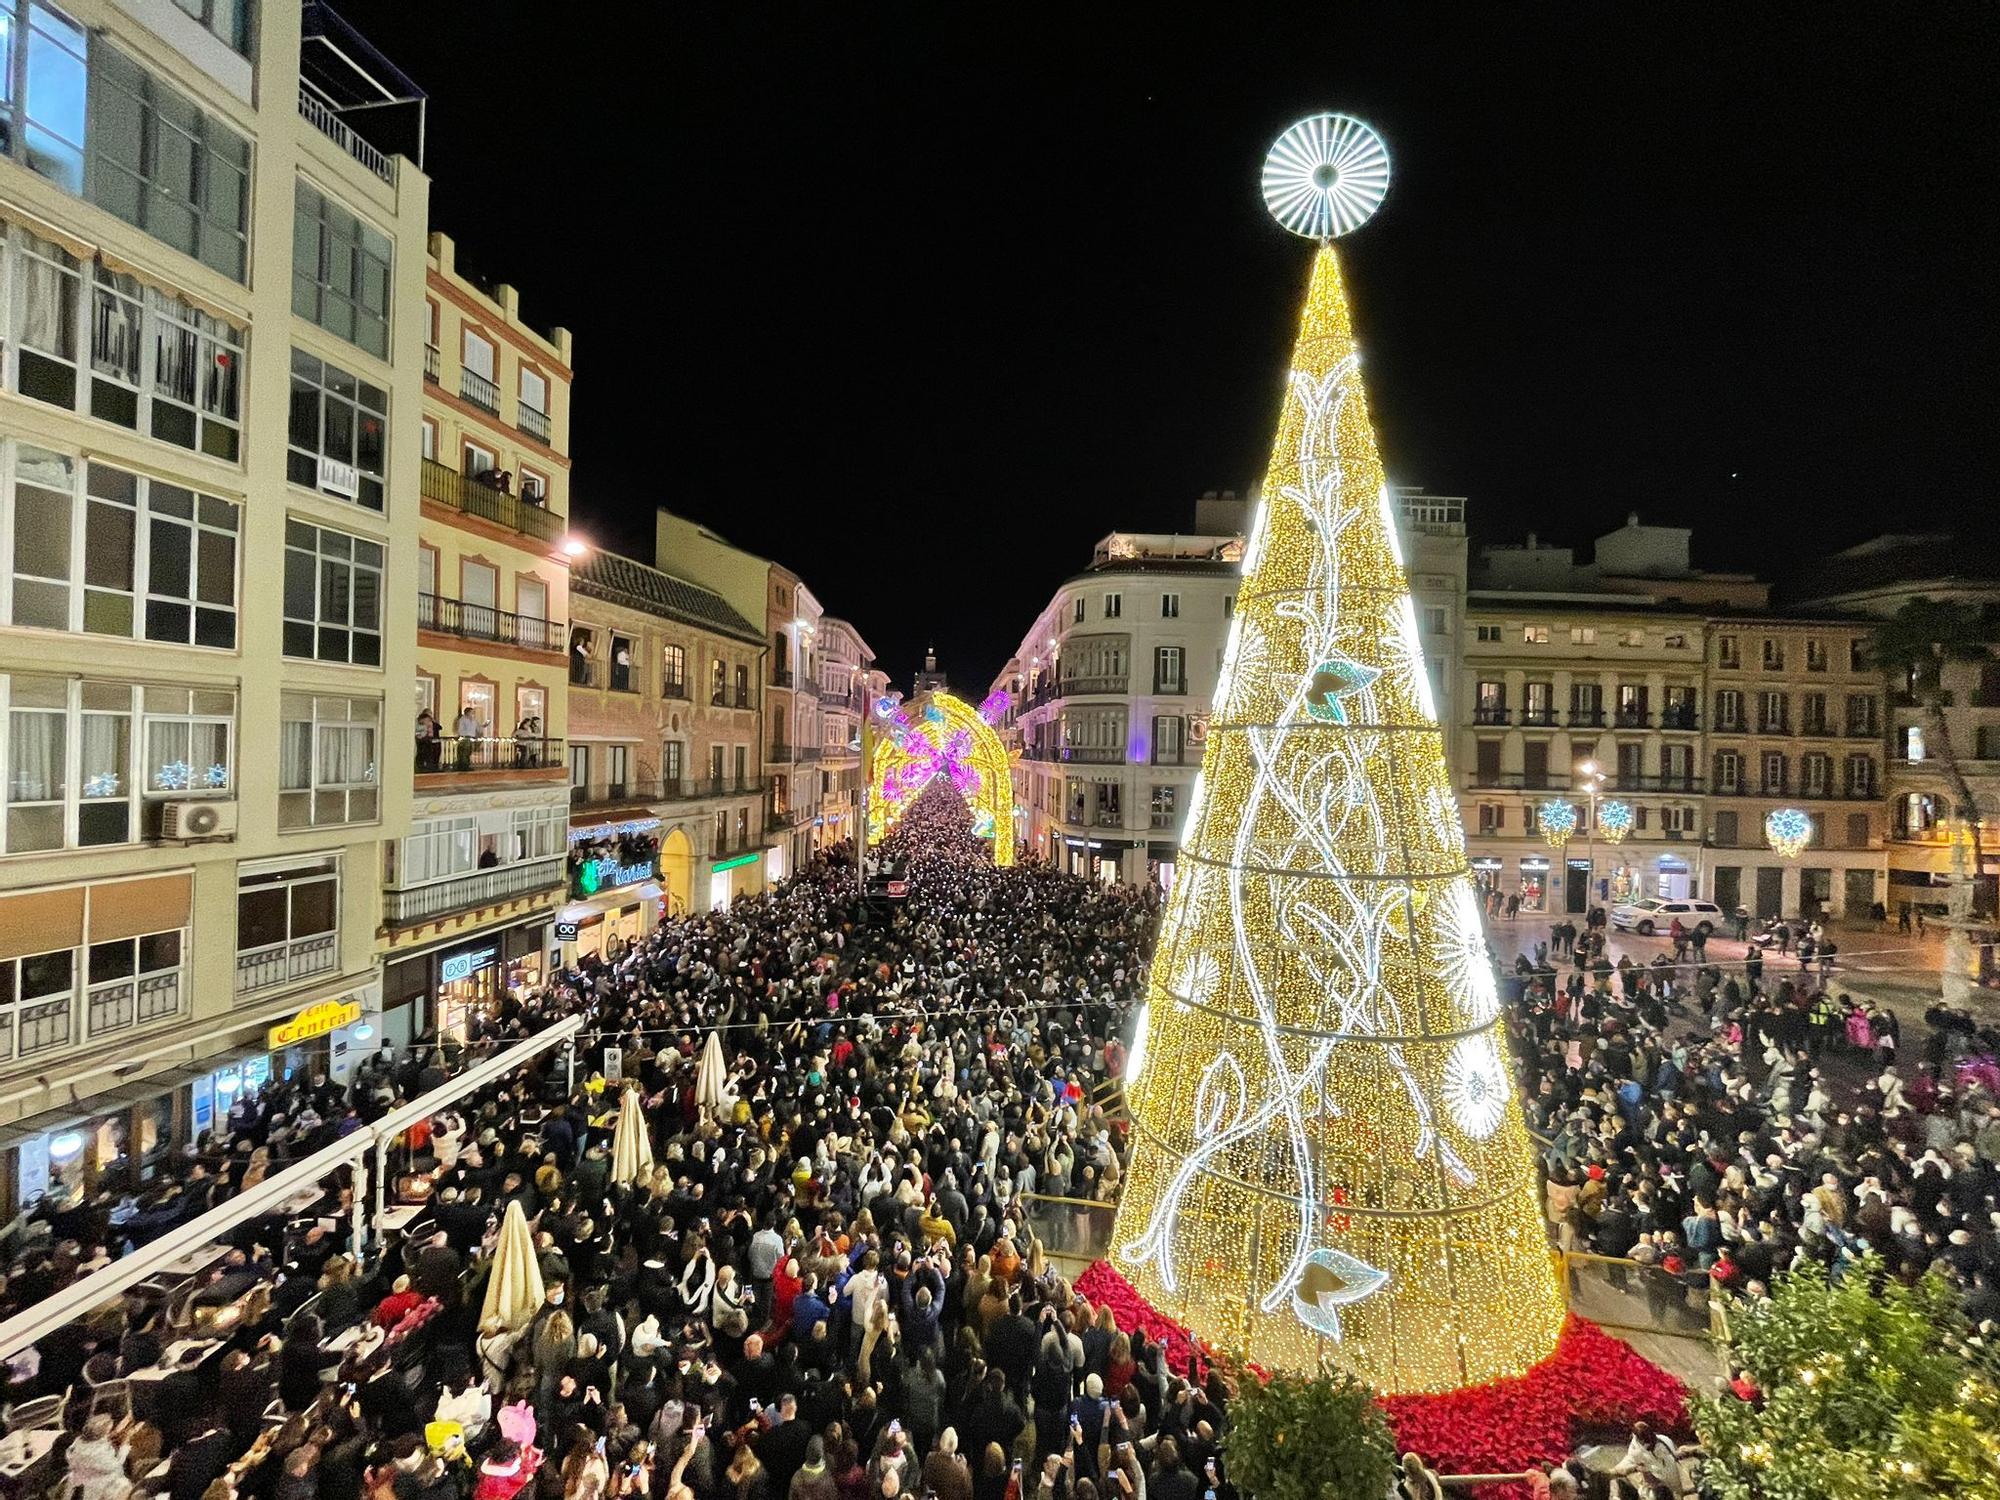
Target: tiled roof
x=620, y=580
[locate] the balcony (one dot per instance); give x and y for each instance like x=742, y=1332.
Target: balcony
x=1867, y=731
x=1170, y=687
x=781, y=677
x=472, y=497
x=1816, y=729
x=1586, y=718
x=1672, y=781
x=778, y=755
x=432, y=356
x=287, y=962
x=1492, y=715
x=482, y=622
x=1539, y=718
x=1075, y=686
x=437, y=898
x=668, y=789
x=1094, y=755
x=330, y=125
x=534, y=423
x=588, y=671
x=1679, y=718
x=834, y=697
x=1632, y=718
x=456, y=755
x=475, y=388
x=807, y=754
x=1517, y=781
x=675, y=688
x=1774, y=726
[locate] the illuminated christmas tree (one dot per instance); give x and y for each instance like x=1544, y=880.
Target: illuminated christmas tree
x=1329, y=1164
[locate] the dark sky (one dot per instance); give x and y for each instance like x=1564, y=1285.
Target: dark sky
x=922, y=299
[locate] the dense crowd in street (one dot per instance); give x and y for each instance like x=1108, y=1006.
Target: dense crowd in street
x=1724, y=1122
x=834, y=1282
x=828, y=1288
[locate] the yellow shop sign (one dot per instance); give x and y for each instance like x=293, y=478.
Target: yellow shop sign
x=315, y=1020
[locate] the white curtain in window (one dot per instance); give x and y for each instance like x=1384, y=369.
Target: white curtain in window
x=295, y=759
x=104, y=755
x=35, y=757
x=47, y=322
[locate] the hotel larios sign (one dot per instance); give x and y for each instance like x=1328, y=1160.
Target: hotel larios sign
x=315, y=1020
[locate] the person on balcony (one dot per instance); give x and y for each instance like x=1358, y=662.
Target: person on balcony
x=528, y=741
x=429, y=746
x=467, y=730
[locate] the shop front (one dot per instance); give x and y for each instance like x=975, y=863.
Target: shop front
x=1160, y=861
x=733, y=877
x=1534, y=883
x=606, y=924
x=1101, y=860
x=444, y=987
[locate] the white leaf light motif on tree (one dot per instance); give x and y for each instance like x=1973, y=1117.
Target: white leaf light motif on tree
x=1467, y=971
x=1475, y=1086
x=1332, y=1280
x=1199, y=977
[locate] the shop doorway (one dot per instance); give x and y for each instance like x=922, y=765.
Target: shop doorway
x=677, y=871
x=1770, y=891
x=1728, y=887
x=1534, y=886
x=1576, y=893
x=1860, y=892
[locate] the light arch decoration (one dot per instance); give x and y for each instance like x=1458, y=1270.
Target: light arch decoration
x=936, y=734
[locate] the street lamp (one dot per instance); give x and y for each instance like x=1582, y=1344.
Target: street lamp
x=1591, y=781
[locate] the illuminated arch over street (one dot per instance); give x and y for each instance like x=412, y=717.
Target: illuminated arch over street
x=933, y=735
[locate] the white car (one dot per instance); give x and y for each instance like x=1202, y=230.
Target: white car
x=1655, y=914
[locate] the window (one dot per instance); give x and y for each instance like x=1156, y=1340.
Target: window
x=333, y=596
x=1538, y=704
x=44, y=126
x=1114, y=606
x=1490, y=703
x=287, y=923
x=1169, y=669
x=579, y=772
x=1632, y=709
x=1486, y=634
x=1675, y=819
x=327, y=759
x=1815, y=775
x=1076, y=613
x=1772, y=715
x=1169, y=739
x=1228, y=606
x=1632, y=638
x=1774, y=654
x=1534, y=635
x=1170, y=606
x=133, y=981
x=1913, y=742
x=339, y=432
x=1165, y=805
x=742, y=687
x=1434, y=619
x=1812, y=712
x=1586, y=704
x=534, y=393
x=534, y=488
x=477, y=461
x=161, y=164
x=1728, y=771
x=617, y=770
x=1860, y=715
x=227, y=20
x=1728, y=651
x=1857, y=653
x=621, y=664
x=340, y=272
x=437, y=849
x=476, y=369
x=673, y=665
x=1583, y=635
x=131, y=556
x=1729, y=710
x=1679, y=712
x=1677, y=766
x=1860, y=830
x=1674, y=641
x=1815, y=655
x=1774, y=771
x=718, y=682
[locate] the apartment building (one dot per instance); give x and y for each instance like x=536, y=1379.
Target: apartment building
x=1795, y=720
x=665, y=751
x=470, y=890
x=843, y=660
x=791, y=712
x=208, y=481
x=1872, y=581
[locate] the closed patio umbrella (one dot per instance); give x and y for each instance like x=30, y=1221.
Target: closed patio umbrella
x=631, y=1141
x=514, y=1288
x=711, y=1078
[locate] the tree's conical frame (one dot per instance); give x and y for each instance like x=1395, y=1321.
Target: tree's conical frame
x=1329, y=1163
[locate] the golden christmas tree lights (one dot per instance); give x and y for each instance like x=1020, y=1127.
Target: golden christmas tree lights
x=1325, y=1133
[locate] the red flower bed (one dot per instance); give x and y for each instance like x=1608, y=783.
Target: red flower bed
x=1591, y=1380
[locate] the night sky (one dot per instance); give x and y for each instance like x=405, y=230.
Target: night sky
x=922, y=299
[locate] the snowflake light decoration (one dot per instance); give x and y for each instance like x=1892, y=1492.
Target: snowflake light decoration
x=1788, y=830
x=1475, y=1086
x=174, y=776
x=1558, y=819
x=1615, y=820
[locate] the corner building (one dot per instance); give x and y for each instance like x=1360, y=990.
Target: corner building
x=209, y=429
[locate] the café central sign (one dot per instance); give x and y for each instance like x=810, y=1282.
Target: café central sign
x=315, y=1020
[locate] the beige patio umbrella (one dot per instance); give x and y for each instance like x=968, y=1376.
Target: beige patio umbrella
x=631, y=1141
x=711, y=1077
x=514, y=1287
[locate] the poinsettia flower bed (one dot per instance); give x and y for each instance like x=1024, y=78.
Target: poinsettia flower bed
x=1591, y=1381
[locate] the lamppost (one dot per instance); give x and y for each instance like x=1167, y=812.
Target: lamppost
x=1590, y=781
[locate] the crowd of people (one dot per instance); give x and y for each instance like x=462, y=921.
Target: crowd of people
x=835, y=1282
x=1726, y=1121
x=831, y=1285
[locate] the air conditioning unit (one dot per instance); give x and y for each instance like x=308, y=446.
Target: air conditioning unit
x=198, y=820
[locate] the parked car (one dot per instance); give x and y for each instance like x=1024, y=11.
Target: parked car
x=1655, y=914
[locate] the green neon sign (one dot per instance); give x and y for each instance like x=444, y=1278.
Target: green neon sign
x=741, y=859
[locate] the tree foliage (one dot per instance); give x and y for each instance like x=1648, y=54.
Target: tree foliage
x=1916, y=641
x=1872, y=1390
x=1295, y=1437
